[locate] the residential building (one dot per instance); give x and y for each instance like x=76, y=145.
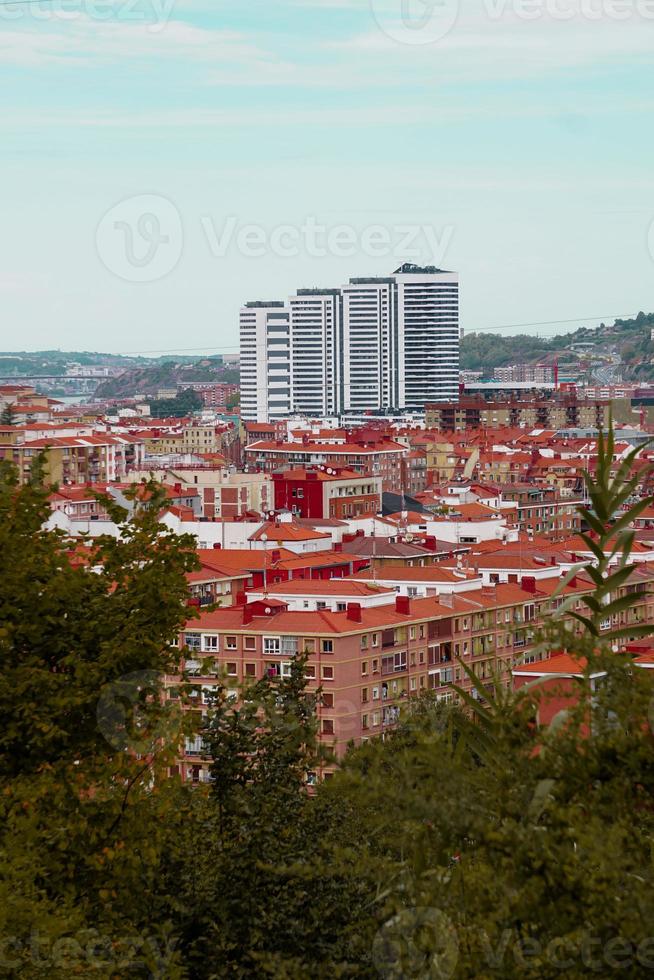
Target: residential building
x=326, y=492
x=370, y=345
x=561, y=410
x=366, y=454
x=371, y=657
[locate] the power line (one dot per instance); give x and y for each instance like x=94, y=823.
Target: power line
x=552, y=323
x=503, y=326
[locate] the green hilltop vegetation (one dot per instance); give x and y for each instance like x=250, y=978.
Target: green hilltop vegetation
x=631, y=339
x=148, y=380
x=31, y=363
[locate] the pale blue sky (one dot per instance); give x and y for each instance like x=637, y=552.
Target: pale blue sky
x=524, y=146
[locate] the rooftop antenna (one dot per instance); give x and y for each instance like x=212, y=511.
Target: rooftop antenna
x=264, y=538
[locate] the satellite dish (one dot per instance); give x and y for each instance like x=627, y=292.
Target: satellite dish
x=268, y=610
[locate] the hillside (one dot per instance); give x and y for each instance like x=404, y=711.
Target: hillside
x=148, y=380
x=34, y=363
x=629, y=339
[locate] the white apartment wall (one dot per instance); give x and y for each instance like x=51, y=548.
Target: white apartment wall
x=503, y=573
x=425, y=589
x=459, y=531
x=304, y=603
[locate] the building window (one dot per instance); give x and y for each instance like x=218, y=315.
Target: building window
x=364, y=641
x=364, y=722
x=364, y=694
x=250, y=643
x=250, y=670
x=375, y=639
x=210, y=643
x=193, y=641
x=328, y=700
x=364, y=668
x=327, y=646
x=230, y=643
x=309, y=645
x=272, y=645
x=328, y=673
x=310, y=672
x=231, y=669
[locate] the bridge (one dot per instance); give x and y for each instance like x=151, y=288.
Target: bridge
x=25, y=379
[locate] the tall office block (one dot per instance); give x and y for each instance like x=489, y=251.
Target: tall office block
x=373, y=344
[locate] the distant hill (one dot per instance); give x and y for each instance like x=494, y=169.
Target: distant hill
x=149, y=380
x=33, y=363
x=631, y=339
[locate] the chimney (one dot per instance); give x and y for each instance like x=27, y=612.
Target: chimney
x=275, y=555
x=338, y=546
x=529, y=583
x=248, y=614
x=403, y=605
x=217, y=546
x=354, y=611
x=241, y=598
x=178, y=488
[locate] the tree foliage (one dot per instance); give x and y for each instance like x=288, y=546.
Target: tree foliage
x=471, y=843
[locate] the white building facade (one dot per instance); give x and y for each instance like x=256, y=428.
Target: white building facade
x=374, y=344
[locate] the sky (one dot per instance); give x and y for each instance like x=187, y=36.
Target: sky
x=164, y=161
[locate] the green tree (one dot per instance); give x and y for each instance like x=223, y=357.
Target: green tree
x=266, y=898
x=85, y=737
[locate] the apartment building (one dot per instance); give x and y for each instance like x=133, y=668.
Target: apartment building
x=366, y=346
x=366, y=454
x=91, y=459
x=561, y=411
x=371, y=658
x=326, y=492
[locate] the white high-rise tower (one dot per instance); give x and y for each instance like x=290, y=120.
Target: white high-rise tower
x=374, y=344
